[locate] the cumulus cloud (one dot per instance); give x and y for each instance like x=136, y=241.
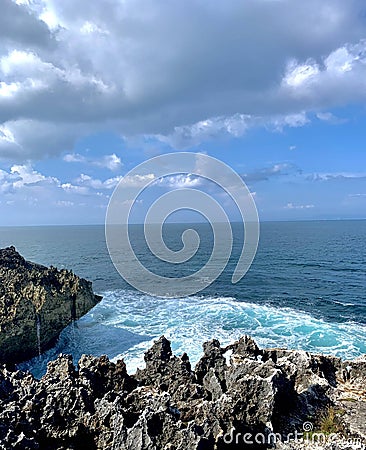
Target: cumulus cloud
x=84, y=183
x=183, y=72
x=75, y=189
x=22, y=181
x=27, y=176
x=7, y=181
x=86, y=180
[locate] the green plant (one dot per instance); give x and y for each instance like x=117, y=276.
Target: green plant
x=329, y=421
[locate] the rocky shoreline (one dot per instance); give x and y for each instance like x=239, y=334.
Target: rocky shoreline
x=36, y=304
x=238, y=393
x=236, y=397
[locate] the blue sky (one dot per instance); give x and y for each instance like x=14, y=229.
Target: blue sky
x=89, y=89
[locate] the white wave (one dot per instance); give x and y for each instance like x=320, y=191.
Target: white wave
x=191, y=321
x=125, y=324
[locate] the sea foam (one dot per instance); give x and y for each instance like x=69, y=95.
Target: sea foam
x=125, y=324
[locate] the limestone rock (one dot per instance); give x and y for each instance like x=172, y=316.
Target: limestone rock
x=257, y=394
x=36, y=303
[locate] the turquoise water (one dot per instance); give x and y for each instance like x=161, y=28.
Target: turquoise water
x=305, y=289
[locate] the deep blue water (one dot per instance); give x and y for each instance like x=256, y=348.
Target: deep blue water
x=306, y=289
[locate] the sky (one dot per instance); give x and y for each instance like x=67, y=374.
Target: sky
x=89, y=89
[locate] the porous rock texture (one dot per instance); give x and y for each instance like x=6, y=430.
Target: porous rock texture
x=235, y=391
x=36, y=304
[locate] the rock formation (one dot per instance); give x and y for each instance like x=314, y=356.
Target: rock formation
x=36, y=303
x=235, y=393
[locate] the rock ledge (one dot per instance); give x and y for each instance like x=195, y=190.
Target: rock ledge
x=36, y=304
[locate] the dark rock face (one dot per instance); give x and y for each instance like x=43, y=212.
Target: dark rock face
x=234, y=391
x=36, y=303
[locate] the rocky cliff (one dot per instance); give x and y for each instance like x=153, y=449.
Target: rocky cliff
x=238, y=397
x=36, y=303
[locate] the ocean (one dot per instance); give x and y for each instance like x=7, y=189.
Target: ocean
x=306, y=289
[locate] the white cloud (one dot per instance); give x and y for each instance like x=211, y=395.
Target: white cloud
x=28, y=192
x=330, y=118
x=293, y=206
x=111, y=162
x=357, y=195
x=69, y=69
x=75, y=189
x=339, y=176
x=89, y=28
x=74, y=158
x=137, y=180
x=325, y=116
x=180, y=181
x=30, y=177
x=6, y=136
x=291, y=120
x=7, y=181
x=193, y=134
x=87, y=185
x=341, y=60
x=50, y=18
x=8, y=90
x=300, y=74
x=64, y=203
x=235, y=126
x=23, y=178
x=86, y=180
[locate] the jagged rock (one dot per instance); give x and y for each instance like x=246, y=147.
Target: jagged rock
x=102, y=376
x=167, y=405
x=210, y=369
x=36, y=304
x=169, y=373
x=245, y=347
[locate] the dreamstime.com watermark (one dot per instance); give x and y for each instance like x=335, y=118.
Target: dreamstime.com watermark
x=198, y=169
x=306, y=436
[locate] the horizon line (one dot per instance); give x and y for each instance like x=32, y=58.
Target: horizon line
x=348, y=219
